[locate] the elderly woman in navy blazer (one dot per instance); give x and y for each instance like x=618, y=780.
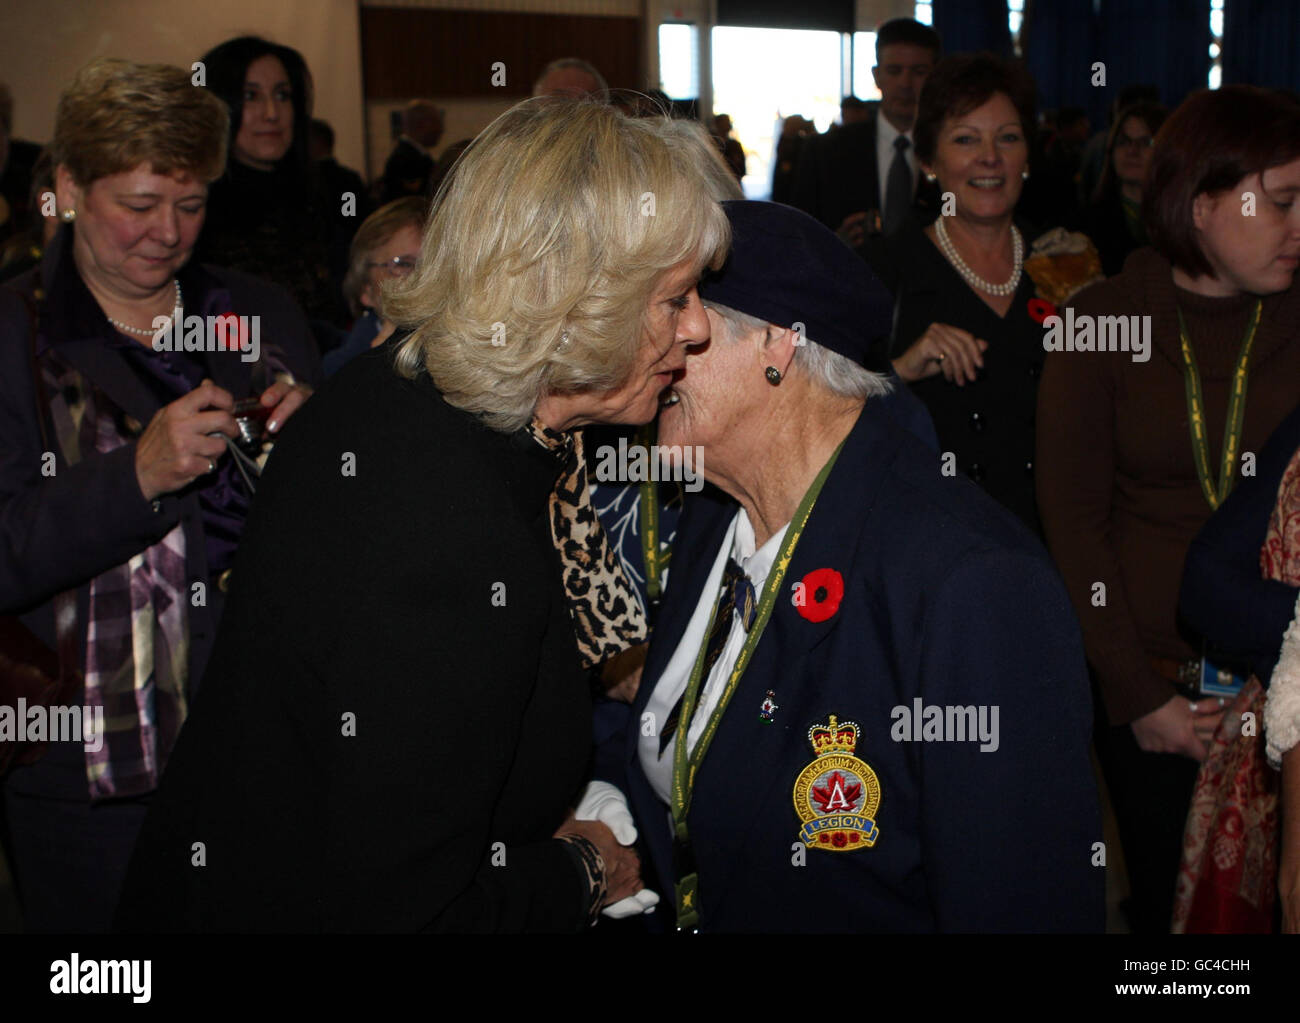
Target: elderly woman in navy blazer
x=865, y=706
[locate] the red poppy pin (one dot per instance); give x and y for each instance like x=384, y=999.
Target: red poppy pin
x=1040, y=309
x=821, y=590
x=231, y=333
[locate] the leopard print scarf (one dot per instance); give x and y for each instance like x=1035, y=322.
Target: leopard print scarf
x=607, y=617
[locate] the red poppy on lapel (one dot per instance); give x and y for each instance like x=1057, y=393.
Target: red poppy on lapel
x=1040, y=309
x=823, y=589
x=231, y=333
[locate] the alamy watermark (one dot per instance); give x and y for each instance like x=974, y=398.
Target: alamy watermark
x=39, y=723
x=75, y=976
x=225, y=333
x=636, y=463
x=934, y=723
x=1098, y=334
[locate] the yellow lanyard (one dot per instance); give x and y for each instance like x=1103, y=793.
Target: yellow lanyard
x=687, y=762
x=1236, y=411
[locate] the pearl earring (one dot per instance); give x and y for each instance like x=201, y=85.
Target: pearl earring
x=1024, y=175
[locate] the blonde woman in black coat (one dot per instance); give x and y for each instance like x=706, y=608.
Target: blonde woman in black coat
x=396, y=723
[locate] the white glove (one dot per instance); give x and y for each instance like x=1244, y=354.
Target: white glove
x=643, y=901
x=603, y=802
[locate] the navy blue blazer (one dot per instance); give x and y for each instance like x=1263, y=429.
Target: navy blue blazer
x=947, y=600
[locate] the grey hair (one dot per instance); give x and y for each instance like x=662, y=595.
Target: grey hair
x=602, y=87
x=830, y=370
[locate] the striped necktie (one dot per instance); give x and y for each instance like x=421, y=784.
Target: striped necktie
x=737, y=594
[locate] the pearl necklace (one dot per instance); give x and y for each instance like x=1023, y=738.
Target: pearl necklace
x=970, y=276
x=149, y=331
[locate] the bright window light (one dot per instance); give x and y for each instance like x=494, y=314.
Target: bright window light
x=758, y=100
x=678, y=61
x=864, y=59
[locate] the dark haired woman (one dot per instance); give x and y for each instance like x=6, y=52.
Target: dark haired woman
x=1124, y=483
x=266, y=213
x=1114, y=219
x=967, y=319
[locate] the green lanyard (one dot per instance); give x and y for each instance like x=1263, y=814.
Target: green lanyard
x=649, y=524
x=1236, y=411
x=685, y=765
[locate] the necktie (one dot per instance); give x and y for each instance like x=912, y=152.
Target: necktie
x=737, y=594
x=898, y=189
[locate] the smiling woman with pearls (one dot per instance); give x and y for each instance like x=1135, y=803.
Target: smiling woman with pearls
x=968, y=304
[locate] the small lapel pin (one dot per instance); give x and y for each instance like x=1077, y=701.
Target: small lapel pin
x=767, y=708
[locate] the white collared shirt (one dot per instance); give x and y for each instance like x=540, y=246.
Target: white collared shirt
x=739, y=544
x=885, y=135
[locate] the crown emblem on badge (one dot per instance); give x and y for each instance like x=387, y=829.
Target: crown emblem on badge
x=837, y=795
x=834, y=737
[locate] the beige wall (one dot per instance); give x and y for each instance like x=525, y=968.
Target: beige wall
x=44, y=42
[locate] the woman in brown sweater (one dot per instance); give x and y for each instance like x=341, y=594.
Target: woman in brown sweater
x=1123, y=484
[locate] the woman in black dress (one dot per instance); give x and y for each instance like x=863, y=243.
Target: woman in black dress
x=267, y=215
x=967, y=320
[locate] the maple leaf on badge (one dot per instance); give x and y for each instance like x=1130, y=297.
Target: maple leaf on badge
x=838, y=794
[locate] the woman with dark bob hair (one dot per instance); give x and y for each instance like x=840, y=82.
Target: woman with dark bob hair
x=396, y=726
x=1129, y=453
x=965, y=336
x=120, y=502
x=267, y=215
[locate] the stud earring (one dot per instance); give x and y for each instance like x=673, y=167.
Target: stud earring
x=932, y=178
x=1024, y=175
x=773, y=375
x=68, y=216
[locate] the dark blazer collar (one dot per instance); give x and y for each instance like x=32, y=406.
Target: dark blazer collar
x=72, y=323
x=830, y=540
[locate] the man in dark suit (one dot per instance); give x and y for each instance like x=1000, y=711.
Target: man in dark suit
x=336, y=182
x=410, y=166
x=882, y=695
x=336, y=179
x=861, y=180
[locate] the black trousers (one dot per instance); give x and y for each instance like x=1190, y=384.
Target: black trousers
x=1151, y=794
x=68, y=857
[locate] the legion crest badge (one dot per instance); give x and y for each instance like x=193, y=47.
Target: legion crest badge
x=837, y=795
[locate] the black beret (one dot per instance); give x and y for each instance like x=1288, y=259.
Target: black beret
x=785, y=267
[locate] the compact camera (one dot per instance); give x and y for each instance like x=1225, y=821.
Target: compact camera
x=251, y=416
